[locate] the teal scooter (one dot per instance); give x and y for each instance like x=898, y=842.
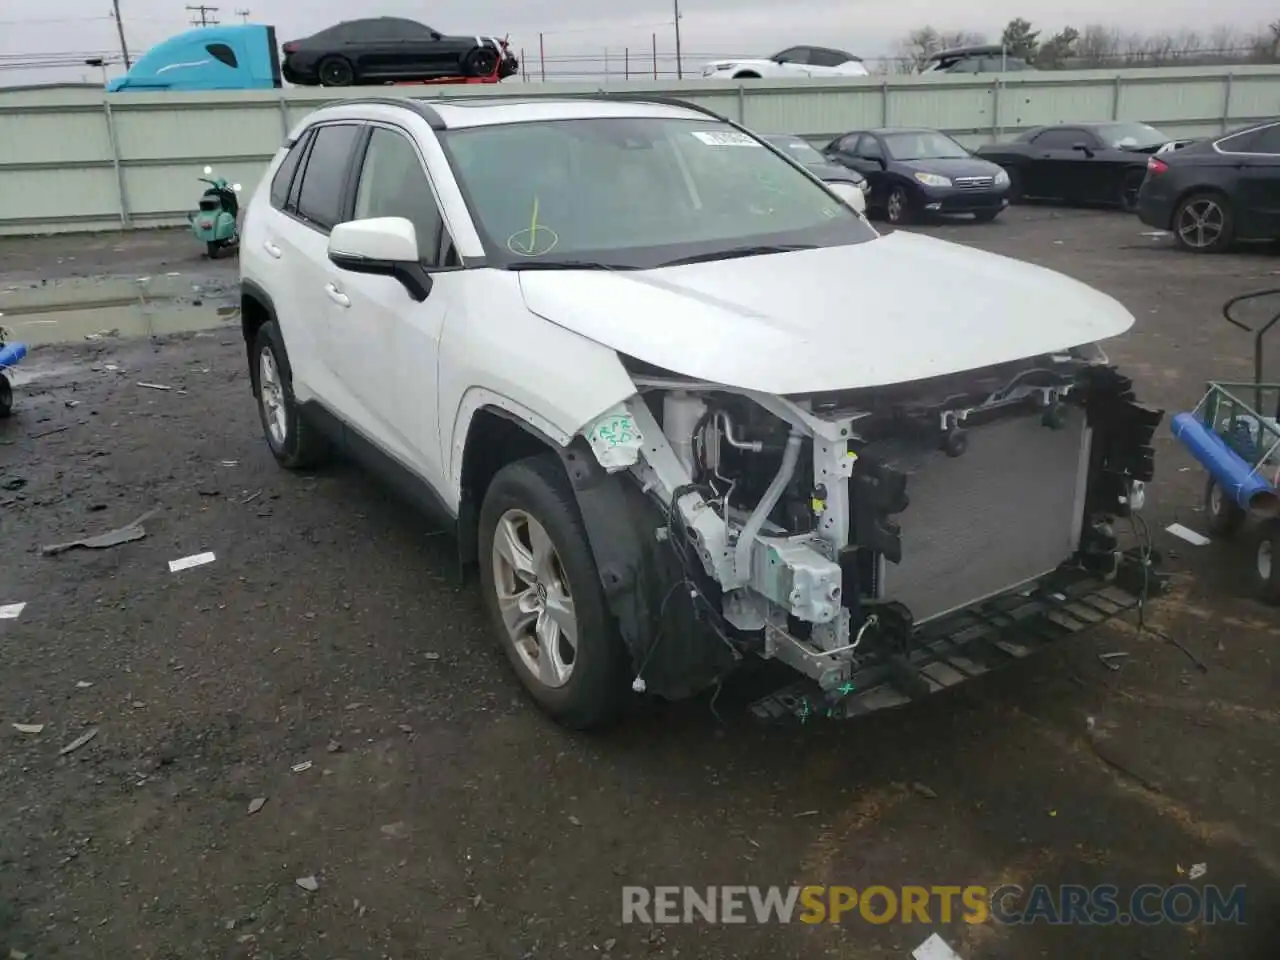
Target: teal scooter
x=215, y=223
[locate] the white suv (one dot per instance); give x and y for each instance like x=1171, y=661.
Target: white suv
x=684, y=405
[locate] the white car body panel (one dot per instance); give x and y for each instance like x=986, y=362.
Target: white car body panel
x=832, y=318
x=728, y=69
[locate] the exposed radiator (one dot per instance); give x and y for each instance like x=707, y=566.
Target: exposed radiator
x=1007, y=511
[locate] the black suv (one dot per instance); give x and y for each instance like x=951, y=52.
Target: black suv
x=984, y=59
x=391, y=49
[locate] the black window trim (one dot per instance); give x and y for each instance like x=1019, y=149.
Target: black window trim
x=444, y=238
x=291, y=208
x=1084, y=134
x=233, y=63
x=1250, y=131
x=302, y=143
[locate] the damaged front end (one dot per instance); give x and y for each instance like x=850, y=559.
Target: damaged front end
x=884, y=542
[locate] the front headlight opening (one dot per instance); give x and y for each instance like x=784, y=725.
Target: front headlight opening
x=1002, y=178
x=933, y=180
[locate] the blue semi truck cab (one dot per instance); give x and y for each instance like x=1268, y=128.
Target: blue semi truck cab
x=236, y=57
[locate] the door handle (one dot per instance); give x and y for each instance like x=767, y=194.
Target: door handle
x=337, y=296
x=271, y=249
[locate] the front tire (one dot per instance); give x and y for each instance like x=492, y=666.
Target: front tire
x=480, y=62
x=544, y=596
x=6, y=397
x=897, y=206
x=294, y=442
x=1224, y=515
x=1203, y=223
x=336, y=72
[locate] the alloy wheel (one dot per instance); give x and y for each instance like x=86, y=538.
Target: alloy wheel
x=897, y=205
x=1201, y=222
x=271, y=395
x=534, y=599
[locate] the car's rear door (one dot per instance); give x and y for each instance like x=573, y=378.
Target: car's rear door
x=386, y=353
x=301, y=244
x=1257, y=204
x=376, y=47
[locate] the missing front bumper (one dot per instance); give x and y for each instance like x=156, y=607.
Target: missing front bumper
x=977, y=640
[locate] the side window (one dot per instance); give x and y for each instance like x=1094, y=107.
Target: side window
x=849, y=144
x=283, y=179
x=223, y=54
x=966, y=65
x=1059, y=139
x=321, y=197
x=870, y=147
x=394, y=184
x=1266, y=141
x=794, y=55
x=819, y=57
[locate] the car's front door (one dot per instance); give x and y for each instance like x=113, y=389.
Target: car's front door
x=386, y=354
x=870, y=161
x=1055, y=165
x=794, y=62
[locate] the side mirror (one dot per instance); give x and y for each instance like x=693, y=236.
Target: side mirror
x=381, y=247
x=436, y=36
x=1081, y=146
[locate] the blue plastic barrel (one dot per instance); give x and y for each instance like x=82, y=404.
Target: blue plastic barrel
x=11, y=353
x=1236, y=478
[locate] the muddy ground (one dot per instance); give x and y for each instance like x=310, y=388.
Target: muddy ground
x=442, y=816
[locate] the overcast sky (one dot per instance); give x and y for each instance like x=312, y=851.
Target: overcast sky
x=868, y=28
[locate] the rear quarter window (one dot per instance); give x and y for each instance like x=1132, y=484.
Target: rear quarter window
x=281, y=182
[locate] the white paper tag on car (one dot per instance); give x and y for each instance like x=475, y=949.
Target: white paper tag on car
x=725, y=139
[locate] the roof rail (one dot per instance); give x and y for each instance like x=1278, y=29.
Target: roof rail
x=428, y=114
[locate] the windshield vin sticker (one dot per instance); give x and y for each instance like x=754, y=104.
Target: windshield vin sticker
x=723, y=139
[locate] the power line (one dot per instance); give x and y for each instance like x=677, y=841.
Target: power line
x=201, y=15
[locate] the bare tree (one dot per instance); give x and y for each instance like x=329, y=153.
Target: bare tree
x=1097, y=47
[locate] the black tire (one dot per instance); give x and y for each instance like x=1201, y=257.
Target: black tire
x=898, y=206
x=335, y=72
x=1014, y=193
x=1223, y=515
x=480, y=61
x=1266, y=573
x=1130, y=185
x=6, y=397
x=985, y=216
x=212, y=248
x=1187, y=206
x=597, y=688
x=300, y=446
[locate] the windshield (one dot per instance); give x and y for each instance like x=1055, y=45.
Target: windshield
x=637, y=192
x=798, y=148
x=923, y=145
x=1121, y=136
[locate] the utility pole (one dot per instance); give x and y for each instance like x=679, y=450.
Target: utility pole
x=679, y=61
x=200, y=15
x=243, y=15
x=124, y=47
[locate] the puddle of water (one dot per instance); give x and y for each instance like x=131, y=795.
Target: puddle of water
x=76, y=323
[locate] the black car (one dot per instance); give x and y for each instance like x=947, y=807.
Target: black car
x=1086, y=163
x=980, y=59
x=390, y=49
x=1214, y=192
x=803, y=152
x=916, y=172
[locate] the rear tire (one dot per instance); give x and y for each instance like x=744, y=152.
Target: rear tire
x=1130, y=185
x=212, y=248
x=480, y=62
x=336, y=72
x=1266, y=562
x=295, y=443
x=1224, y=515
x=1203, y=223
x=529, y=503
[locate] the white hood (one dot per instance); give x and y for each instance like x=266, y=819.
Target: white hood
x=894, y=309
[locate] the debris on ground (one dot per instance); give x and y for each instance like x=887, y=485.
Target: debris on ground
x=78, y=742
x=805, y=813
x=11, y=611
x=308, y=883
x=395, y=831
x=935, y=948
x=256, y=804
x=154, y=386
x=574, y=820
x=1197, y=871
x=186, y=563
x=112, y=538
x=302, y=767
x=1187, y=534
x=28, y=727
x=925, y=791
x=1109, y=659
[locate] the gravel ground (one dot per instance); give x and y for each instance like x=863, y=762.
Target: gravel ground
x=442, y=816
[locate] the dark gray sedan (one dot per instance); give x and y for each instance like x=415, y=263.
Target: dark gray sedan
x=916, y=172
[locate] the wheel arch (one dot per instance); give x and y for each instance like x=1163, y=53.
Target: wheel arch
x=256, y=309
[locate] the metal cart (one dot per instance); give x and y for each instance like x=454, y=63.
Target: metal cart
x=10, y=355
x=1234, y=433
